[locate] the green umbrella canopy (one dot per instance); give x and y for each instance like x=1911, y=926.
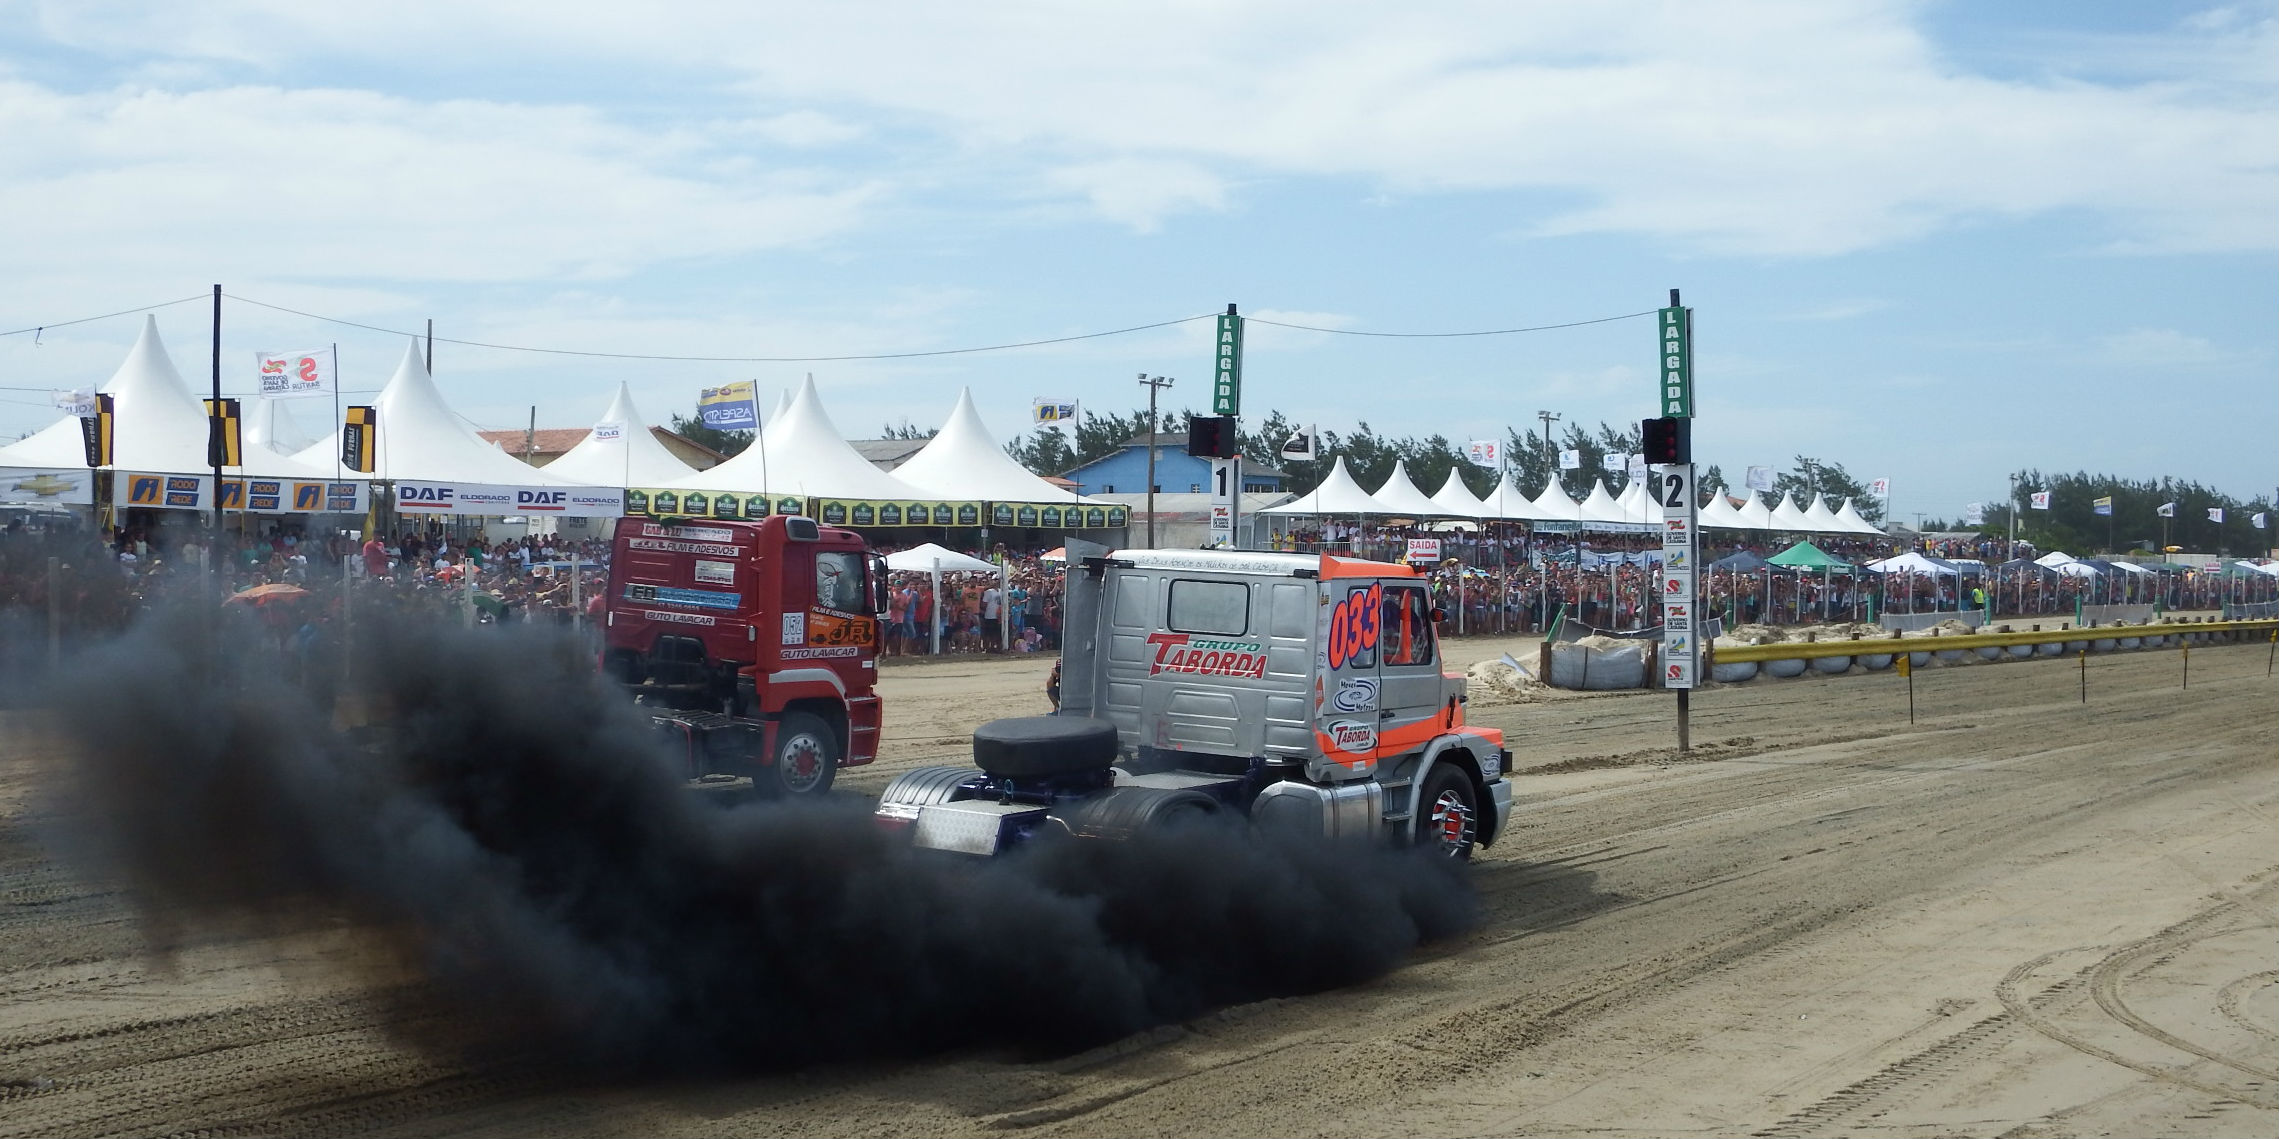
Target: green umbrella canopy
x=1805, y=555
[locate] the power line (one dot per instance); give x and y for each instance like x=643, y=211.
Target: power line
x=735, y=359
x=1443, y=335
x=38, y=328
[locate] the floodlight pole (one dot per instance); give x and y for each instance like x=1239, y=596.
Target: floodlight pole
x=1153, y=384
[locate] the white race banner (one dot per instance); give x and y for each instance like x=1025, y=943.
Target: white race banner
x=2215, y=514
x=1881, y=488
x=1613, y=463
x=1042, y=410
x=1760, y=478
x=2041, y=500
x=77, y=401
x=489, y=501
x=1484, y=453
x=64, y=486
x=609, y=430
x=1637, y=469
x=1571, y=460
x=1974, y=514
x=292, y=375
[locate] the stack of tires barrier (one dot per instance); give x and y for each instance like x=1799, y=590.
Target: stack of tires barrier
x=1596, y=664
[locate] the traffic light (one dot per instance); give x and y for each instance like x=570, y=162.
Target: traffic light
x=1667, y=441
x=1212, y=437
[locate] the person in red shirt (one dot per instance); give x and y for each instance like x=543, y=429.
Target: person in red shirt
x=375, y=557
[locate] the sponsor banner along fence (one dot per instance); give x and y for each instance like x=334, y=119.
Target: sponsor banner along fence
x=145, y=490
x=489, y=501
x=661, y=502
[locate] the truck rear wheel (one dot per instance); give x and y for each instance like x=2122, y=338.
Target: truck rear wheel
x=1447, y=814
x=806, y=759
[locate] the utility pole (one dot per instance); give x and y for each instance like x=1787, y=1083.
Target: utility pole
x=1154, y=384
x=2010, y=551
x=1550, y=449
x=1811, y=475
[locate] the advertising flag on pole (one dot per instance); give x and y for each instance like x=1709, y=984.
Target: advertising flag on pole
x=2166, y=510
x=77, y=401
x=609, y=429
x=731, y=407
x=2215, y=514
x=2257, y=519
x=1484, y=453
x=1881, y=488
x=1613, y=464
x=1759, y=478
x=2041, y=500
x=2102, y=505
x=1043, y=410
x=1636, y=469
x=293, y=375
x=1303, y=446
x=1974, y=514
x=1571, y=460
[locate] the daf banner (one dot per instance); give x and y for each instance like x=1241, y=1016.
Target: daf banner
x=487, y=501
x=144, y=490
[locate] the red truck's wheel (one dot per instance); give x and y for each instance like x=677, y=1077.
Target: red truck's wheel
x=1448, y=813
x=806, y=758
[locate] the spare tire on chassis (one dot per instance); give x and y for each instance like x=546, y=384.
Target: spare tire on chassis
x=1041, y=747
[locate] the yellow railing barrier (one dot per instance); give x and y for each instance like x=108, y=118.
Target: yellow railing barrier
x=1810, y=650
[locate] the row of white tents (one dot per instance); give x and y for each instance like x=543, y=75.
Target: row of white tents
x=1341, y=496
x=161, y=428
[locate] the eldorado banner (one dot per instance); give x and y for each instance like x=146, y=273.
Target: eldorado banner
x=489, y=501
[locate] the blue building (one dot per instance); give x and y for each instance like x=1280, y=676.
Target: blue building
x=1176, y=471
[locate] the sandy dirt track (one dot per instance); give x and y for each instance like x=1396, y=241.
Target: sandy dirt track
x=2021, y=915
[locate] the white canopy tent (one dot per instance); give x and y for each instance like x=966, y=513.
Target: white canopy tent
x=802, y=454
x=1853, y=523
x=1600, y=506
x=1753, y=514
x=964, y=461
x=1720, y=513
x=269, y=423
x=1553, y=505
x=1818, y=519
x=157, y=427
x=1400, y=497
x=1914, y=562
x=633, y=458
x=1509, y=503
x=2054, y=559
x=934, y=561
x=1457, y=500
x=1337, y=495
x=1786, y=518
x=1638, y=505
x=422, y=439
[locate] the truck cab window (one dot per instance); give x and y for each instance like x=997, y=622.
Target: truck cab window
x=1407, y=626
x=839, y=580
x=1209, y=607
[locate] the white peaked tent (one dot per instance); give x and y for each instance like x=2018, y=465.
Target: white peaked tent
x=422, y=439
x=634, y=458
x=1553, y=505
x=269, y=423
x=803, y=454
x=1400, y=497
x=1917, y=563
x=1786, y=518
x=1821, y=520
x=930, y=557
x=2054, y=559
x=1639, y=506
x=1753, y=514
x=1337, y=495
x=157, y=426
x=1457, y=500
x=964, y=461
x=1720, y=513
x=1600, y=507
x=1509, y=503
x=1853, y=522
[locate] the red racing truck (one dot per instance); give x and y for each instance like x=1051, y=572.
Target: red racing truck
x=755, y=642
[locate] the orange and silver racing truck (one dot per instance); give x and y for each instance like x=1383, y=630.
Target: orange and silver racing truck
x=754, y=642
x=1305, y=691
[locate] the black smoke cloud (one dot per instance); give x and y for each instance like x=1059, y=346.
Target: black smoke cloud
x=510, y=833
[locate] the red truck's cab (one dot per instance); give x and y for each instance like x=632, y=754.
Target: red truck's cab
x=758, y=641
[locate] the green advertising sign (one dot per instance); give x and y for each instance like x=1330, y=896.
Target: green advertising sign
x=1226, y=373
x=1674, y=390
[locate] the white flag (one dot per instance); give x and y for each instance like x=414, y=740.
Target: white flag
x=1760, y=478
x=1305, y=445
x=1571, y=460
x=609, y=429
x=293, y=375
x=1484, y=453
x=1042, y=410
x=1613, y=464
x=2215, y=514
x=2257, y=520
x=2166, y=510
x=1881, y=488
x=77, y=401
x=1974, y=514
x=2041, y=500
x=1637, y=468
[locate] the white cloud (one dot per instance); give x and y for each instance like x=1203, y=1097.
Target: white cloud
x=2158, y=348
x=1141, y=192
x=1838, y=309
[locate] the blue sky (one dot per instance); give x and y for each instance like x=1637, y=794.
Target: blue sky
x=1933, y=242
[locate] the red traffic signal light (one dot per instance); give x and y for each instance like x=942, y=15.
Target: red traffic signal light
x=1666, y=441
x=1212, y=436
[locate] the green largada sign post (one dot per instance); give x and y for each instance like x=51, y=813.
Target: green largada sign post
x=1226, y=373
x=1677, y=362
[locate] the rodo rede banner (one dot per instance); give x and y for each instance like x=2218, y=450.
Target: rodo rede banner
x=489, y=501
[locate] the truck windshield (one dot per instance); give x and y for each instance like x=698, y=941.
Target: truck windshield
x=839, y=580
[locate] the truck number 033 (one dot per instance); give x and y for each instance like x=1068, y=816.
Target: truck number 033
x=1353, y=625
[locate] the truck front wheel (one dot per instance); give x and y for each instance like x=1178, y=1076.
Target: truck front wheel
x=806, y=758
x=1448, y=813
